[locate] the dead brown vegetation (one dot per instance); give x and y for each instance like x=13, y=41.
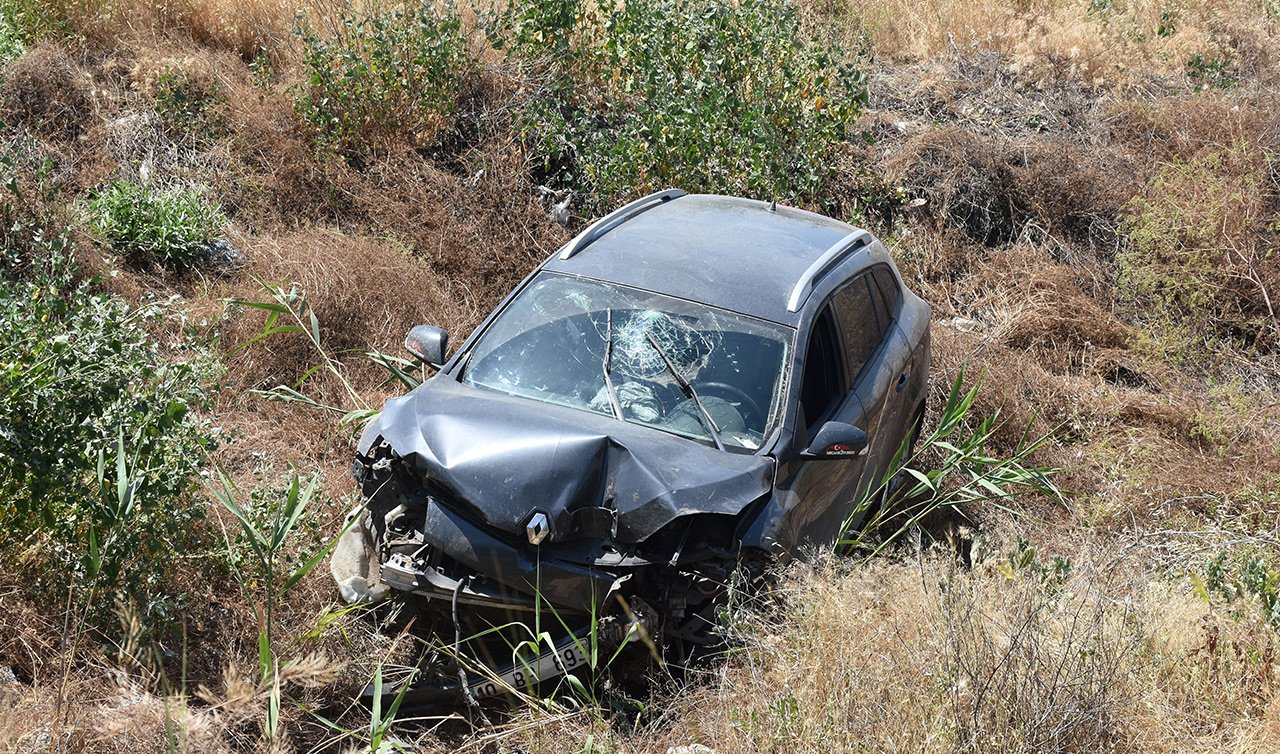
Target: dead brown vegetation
x=47, y=91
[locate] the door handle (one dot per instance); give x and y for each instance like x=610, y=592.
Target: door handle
x=902, y=381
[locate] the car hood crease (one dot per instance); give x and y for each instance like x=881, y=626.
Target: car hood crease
x=504, y=457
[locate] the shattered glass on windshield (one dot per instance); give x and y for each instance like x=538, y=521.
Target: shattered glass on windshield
x=684, y=368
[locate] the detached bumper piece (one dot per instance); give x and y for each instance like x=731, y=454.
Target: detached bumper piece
x=525, y=672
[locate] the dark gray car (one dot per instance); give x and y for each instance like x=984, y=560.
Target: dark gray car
x=695, y=386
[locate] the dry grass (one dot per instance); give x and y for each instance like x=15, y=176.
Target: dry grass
x=48, y=91
x=1099, y=43
x=248, y=28
x=924, y=657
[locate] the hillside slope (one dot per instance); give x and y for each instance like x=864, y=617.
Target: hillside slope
x=1088, y=194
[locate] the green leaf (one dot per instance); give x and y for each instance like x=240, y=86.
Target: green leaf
x=264, y=655
x=318, y=557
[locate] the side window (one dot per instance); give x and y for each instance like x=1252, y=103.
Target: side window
x=860, y=322
x=823, y=383
x=888, y=285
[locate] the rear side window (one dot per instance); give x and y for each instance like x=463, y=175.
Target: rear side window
x=888, y=285
x=823, y=383
x=863, y=320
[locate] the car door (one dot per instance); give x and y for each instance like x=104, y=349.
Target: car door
x=818, y=489
x=878, y=356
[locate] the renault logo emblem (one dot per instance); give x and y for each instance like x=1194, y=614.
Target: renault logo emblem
x=538, y=528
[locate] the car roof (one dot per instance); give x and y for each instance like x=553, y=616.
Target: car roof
x=737, y=254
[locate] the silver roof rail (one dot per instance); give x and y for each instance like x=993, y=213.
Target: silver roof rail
x=617, y=217
x=830, y=258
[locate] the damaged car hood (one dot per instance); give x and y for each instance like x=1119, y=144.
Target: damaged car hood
x=503, y=458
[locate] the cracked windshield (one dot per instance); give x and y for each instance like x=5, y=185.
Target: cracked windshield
x=685, y=368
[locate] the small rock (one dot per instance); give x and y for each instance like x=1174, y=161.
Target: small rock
x=963, y=324
x=221, y=257
x=691, y=749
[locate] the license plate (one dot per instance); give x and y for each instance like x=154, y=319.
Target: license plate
x=565, y=659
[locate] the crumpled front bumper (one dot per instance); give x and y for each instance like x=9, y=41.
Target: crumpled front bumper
x=506, y=576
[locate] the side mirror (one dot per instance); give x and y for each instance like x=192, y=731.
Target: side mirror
x=837, y=440
x=427, y=344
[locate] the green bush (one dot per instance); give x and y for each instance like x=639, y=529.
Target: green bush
x=384, y=76
x=708, y=95
x=23, y=23
x=187, y=104
x=148, y=226
x=12, y=44
x=1254, y=578
x=1197, y=265
x=100, y=437
x=100, y=434
x=34, y=237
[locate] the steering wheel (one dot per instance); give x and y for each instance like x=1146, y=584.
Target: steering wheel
x=733, y=394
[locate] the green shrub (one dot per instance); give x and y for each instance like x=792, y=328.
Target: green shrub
x=1197, y=267
x=383, y=76
x=708, y=95
x=148, y=226
x=1254, y=578
x=23, y=23
x=100, y=437
x=1207, y=72
x=186, y=103
x=12, y=44
x=34, y=237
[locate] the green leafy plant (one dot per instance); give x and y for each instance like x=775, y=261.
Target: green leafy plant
x=385, y=75
x=288, y=312
x=12, y=44
x=186, y=104
x=82, y=386
x=25, y=22
x=384, y=713
x=539, y=28
x=600, y=652
x=1022, y=560
x=267, y=532
x=1250, y=579
x=85, y=392
x=707, y=95
x=1210, y=72
x=967, y=474
x=1196, y=265
x=34, y=233
x=148, y=226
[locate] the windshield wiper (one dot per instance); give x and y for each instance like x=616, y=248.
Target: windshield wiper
x=608, y=361
x=688, y=391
